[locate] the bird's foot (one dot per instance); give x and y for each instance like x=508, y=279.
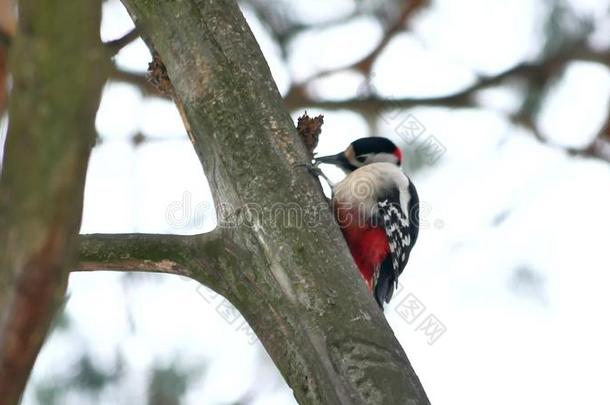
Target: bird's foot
x=312, y=168
x=315, y=171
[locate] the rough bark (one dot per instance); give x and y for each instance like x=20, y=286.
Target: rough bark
x=198, y=256
x=58, y=75
x=293, y=280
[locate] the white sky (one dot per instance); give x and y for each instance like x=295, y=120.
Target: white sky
x=503, y=345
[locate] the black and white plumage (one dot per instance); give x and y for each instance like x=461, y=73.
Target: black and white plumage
x=401, y=226
x=376, y=206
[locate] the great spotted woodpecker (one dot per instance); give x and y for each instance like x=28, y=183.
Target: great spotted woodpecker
x=376, y=206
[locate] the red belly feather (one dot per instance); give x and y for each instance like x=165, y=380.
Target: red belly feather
x=369, y=247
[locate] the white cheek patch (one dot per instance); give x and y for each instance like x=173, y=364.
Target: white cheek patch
x=355, y=162
x=381, y=157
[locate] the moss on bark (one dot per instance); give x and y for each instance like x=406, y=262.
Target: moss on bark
x=296, y=284
x=58, y=71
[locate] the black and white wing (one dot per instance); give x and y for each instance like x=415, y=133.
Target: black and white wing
x=401, y=225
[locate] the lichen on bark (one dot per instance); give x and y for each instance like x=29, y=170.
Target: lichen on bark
x=296, y=285
x=58, y=68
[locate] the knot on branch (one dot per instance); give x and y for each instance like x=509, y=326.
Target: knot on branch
x=310, y=129
x=157, y=76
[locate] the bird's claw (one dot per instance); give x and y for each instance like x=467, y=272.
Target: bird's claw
x=314, y=170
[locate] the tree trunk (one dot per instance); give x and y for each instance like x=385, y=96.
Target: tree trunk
x=58, y=72
x=283, y=261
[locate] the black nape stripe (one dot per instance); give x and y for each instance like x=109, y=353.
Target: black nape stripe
x=374, y=144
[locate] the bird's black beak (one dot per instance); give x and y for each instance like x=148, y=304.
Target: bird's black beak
x=337, y=160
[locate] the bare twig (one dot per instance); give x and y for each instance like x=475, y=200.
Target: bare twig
x=598, y=148
x=283, y=28
x=533, y=73
x=399, y=25
x=116, y=45
x=137, y=79
x=154, y=83
x=365, y=64
x=462, y=98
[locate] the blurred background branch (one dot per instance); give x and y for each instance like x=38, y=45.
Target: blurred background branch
x=8, y=26
x=566, y=42
x=116, y=45
x=391, y=29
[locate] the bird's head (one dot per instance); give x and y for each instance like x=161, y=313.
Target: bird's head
x=362, y=152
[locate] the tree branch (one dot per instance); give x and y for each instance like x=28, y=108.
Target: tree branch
x=136, y=252
x=208, y=258
x=116, y=45
x=294, y=280
x=137, y=79
x=298, y=98
x=462, y=98
x=598, y=148
x=365, y=64
x=282, y=27
x=536, y=74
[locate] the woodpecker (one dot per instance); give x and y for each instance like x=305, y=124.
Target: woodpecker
x=376, y=205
